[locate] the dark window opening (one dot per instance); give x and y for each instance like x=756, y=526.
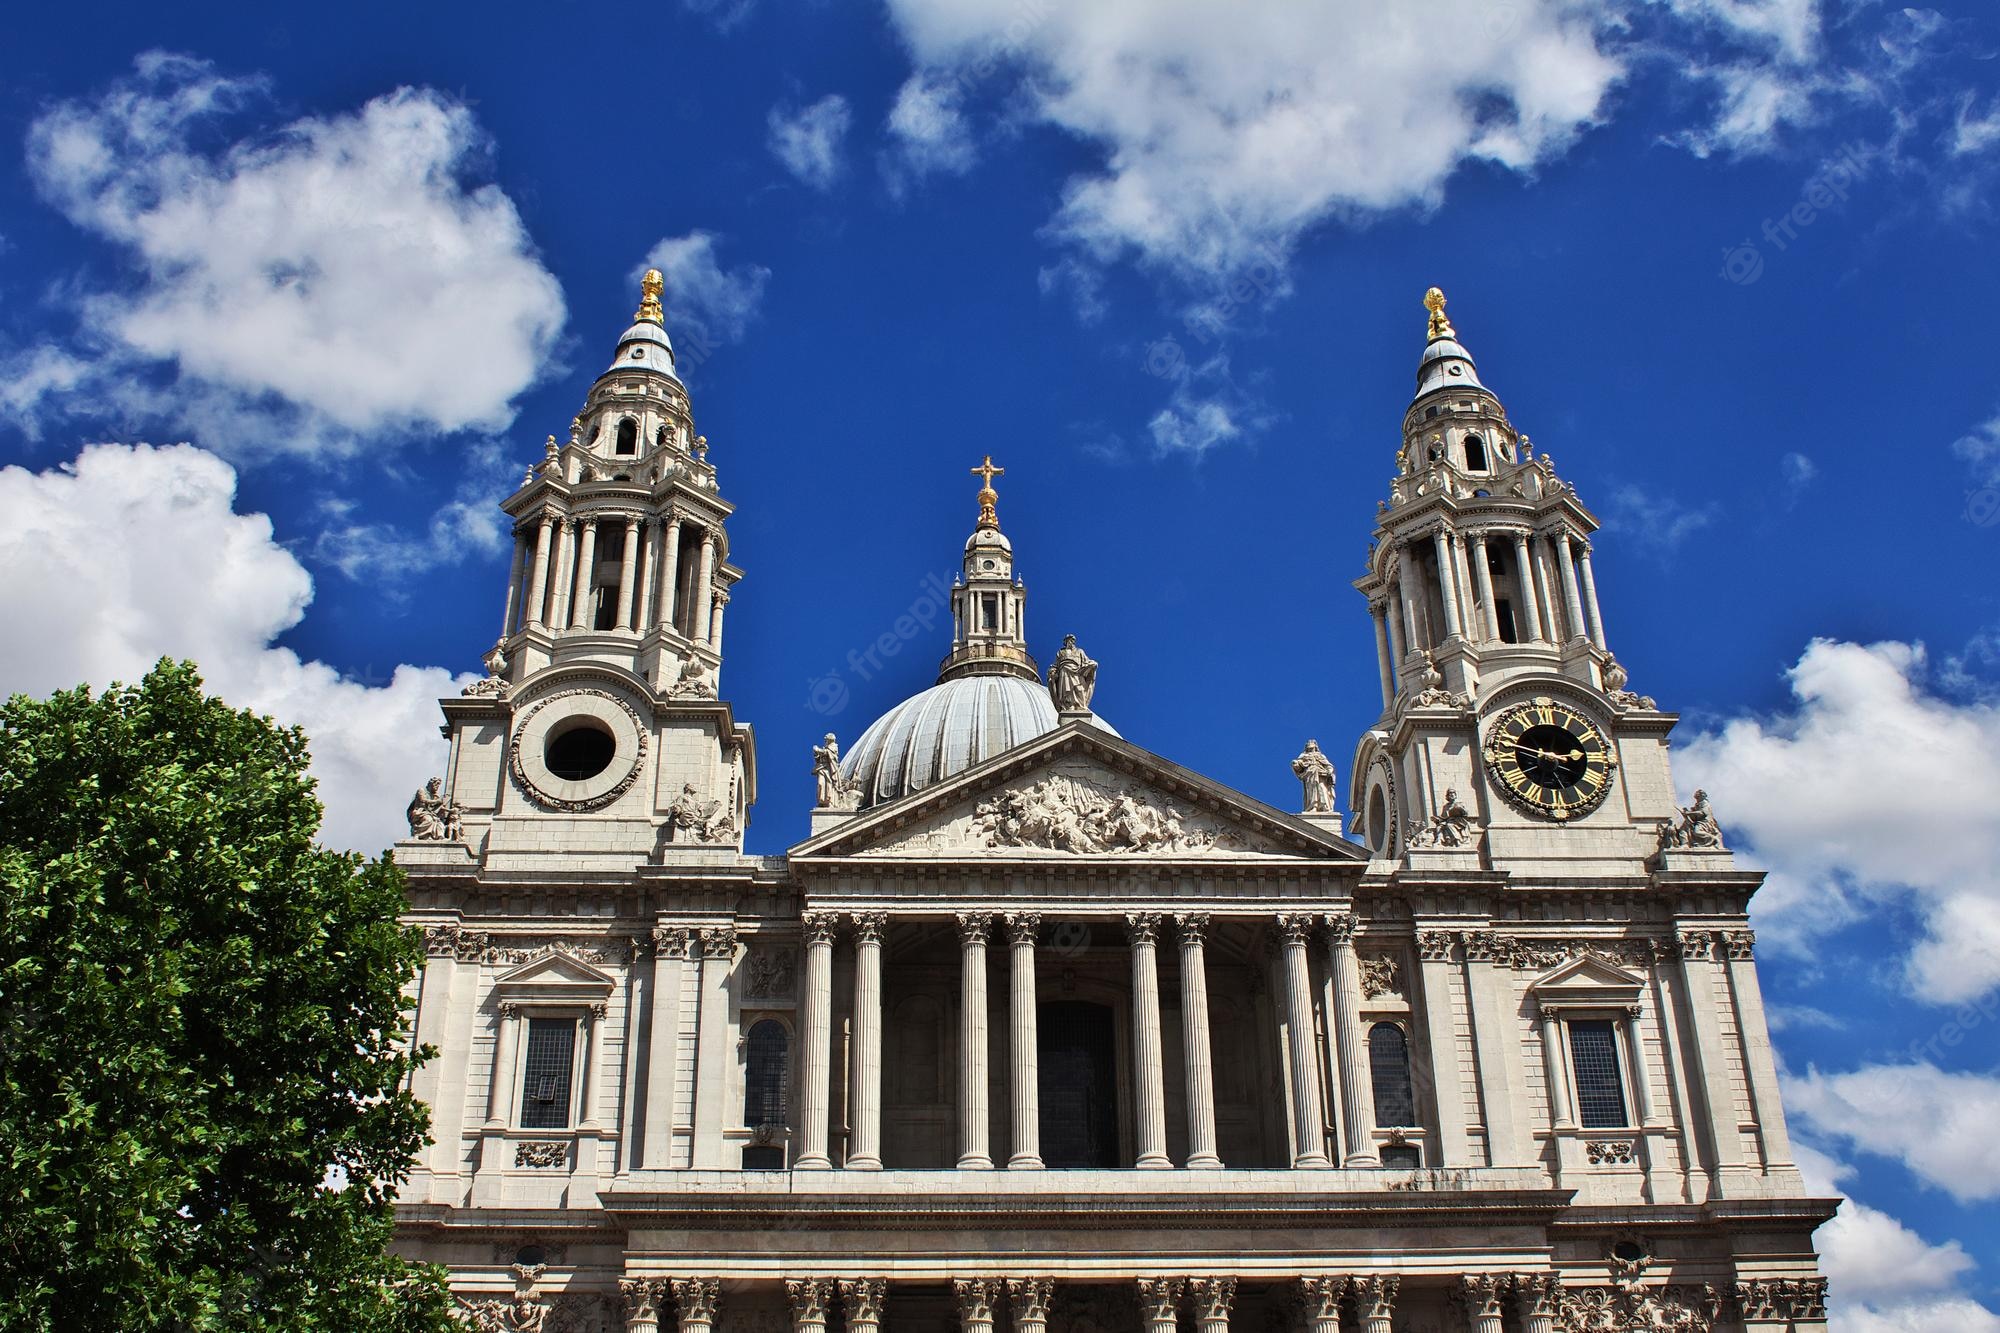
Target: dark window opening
x=547, y=1070
x=1430, y=412
x=989, y=611
x=1504, y=609
x=767, y=1158
x=1475, y=454
x=628, y=436
x=1078, y=1084
x=660, y=438
x=607, y=608
x=1389, y=1071
x=1600, y=1095
x=766, y=1078
x=1402, y=1156
x=580, y=753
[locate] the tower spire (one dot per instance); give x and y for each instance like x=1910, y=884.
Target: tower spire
x=989, y=633
x=988, y=497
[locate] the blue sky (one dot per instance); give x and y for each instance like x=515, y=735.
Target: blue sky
x=1726, y=260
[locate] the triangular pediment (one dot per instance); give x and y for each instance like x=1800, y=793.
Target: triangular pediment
x=1589, y=979
x=554, y=975
x=1078, y=792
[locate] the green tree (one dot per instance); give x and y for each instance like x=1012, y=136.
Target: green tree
x=203, y=1104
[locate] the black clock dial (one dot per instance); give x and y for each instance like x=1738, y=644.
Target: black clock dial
x=1549, y=759
x=1552, y=755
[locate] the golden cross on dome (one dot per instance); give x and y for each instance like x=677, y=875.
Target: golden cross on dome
x=650, y=288
x=986, y=472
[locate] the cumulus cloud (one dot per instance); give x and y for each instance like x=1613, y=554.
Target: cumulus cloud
x=707, y=305
x=1938, y=1123
x=345, y=267
x=1869, y=790
x=807, y=141
x=132, y=553
x=928, y=131
x=470, y=523
x=1654, y=520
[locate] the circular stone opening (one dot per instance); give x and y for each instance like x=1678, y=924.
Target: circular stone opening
x=581, y=750
x=1378, y=821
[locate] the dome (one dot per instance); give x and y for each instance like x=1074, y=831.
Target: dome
x=1446, y=365
x=945, y=730
x=644, y=344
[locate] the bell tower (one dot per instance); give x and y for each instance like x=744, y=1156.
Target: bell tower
x=989, y=636
x=1485, y=602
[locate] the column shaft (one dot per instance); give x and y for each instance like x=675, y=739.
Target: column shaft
x=1379, y=613
x=1545, y=591
x=670, y=954
x=559, y=596
x=538, y=584
x=1308, y=1128
x=670, y=569
x=1590, y=598
x=972, y=1040
x=816, y=1034
x=1572, y=599
x=1482, y=575
x=1397, y=649
x=648, y=562
x=1148, y=1074
x=593, y=1026
x=1447, y=584
x=628, y=572
x=582, y=615
x=1561, y=1117
x=715, y=621
x=866, y=1108
x=500, y=1098
x=1195, y=1039
x=1350, y=1045
x=1528, y=621
x=1406, y=575
x=514, y=585
x=1026, y=1154
x=703, y=592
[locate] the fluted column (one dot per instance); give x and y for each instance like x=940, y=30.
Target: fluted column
x=1321, y=1298
x=670, y=565
x=514, y=597
x=1529, y=622
x=1560, y=1116
x=1590, y=597
x=565, y=574
x=1482, y=576
x=816, y=1036
x=1148, y=1073
x=865, y=1108
x=649, y=546
x=1160, y=1303
x=538, y=582
x=500, y=1096
x=1379, y=613
x=1195, y=1041
x=1535, y=1301
x=972, y=1041
x=1031, y=1297
x=580, y=614
x=715, y=620
x=976, y=1298
x=1545, y=589
x=1397, y=649
x=1572, y=599
x=1211, y=1298
x=695, y=1300
x=1481, y=1294
x=1454, y=627
x=1308, y=1127
x=1375, y=1302
x=1406, y=576
x=862, y=1300
x=1350, y=1044
x=643, y=1298
x=1026, y=1144
x=628, y=572
x=704, y=587
x=809, y=1298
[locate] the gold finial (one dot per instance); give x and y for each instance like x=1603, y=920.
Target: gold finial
x=986, y=472
x=1440, y=326
x=650, y=288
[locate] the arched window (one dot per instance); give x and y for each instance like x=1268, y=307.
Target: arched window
x=1475, y=454
x=660, y=437
x=628, y=436
x=767, y=1079
x=1389, y=1071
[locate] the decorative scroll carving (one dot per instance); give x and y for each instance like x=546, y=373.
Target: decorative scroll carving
x=1536, y=1294
x=809, y=1298
x=1434, y=946
x=522, y=1314
x=433, y=816
x=644, y=1298
x=672, y=941
x=974, y=927
x=1211, y=1298
x=542, y=1154
x=1481, y=945
x=1740, y=946
x=976, y=1298
x=1031, y=1297
x=513, y=950
x=1539, y=953
x=862, y=1299
x=1297, y=927
x=819, y=927
x=698, y=1298
x=1381, y=975
x=1023, y=927
x=1674, y=1309
x=1481, y=1293
x=719, y=942
x=1697, y=944
x=1434, y=694
x=1142, y=927
x=695, y=818
x=693, y=682
x=1451, y=826
x=1340, y=928
x=771, y=973
x=1375, y=1298
x=1315, y=772
x=1067, y=814
x=1609, y=1152
x=1322, y=1298
x=1193, y=926
x=1695, y=830
x=1781, y=1298
x=1160, y=1299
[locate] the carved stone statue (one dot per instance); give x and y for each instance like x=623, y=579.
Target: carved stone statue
x=1066, y=815
x=1696, y=829
x=694, y=818
x=1072, y=678
x=1451, y=826
x=1315, y=770
x=834, y=792
x=434, y=817
x=694, y=682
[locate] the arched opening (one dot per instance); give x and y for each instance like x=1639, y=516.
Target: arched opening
x=1475, y=454
x=767, y=1074
x=1378, y=821
x=1389, y=1071
x=660, y=437
x=1076, y=1049
x=580, y=751
x=628, y=436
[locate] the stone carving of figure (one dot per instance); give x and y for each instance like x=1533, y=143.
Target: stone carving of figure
x=1695, y=829
x=1315, y=770
x=434, y=817
x=693, y=818
x=1451, y=826
x=1072, y=678
x=694, y=682
x=833, y=791
x=1063, y=815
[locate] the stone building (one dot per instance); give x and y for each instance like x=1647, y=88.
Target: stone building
x=1041, y=1030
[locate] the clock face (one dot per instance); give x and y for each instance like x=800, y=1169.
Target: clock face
x=1550, y=759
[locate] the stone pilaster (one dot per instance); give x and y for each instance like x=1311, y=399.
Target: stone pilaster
x=670, y=954
x=973, y=1155
x=1148, y=1073
x=1026, y=1144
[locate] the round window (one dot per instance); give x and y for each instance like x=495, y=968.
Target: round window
x=579, y=751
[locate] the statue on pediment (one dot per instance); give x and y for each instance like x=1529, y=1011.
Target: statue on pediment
x=1315, y=771
x=1072, y=678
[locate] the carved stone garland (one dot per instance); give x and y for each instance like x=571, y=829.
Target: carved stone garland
x=548, y=802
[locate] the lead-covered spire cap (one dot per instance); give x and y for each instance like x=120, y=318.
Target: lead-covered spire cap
x=645, y=345
x=1445, y=363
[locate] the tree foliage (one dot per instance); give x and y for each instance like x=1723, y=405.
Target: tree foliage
x=203, y=1104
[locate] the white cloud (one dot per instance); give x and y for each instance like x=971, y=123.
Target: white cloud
x=1654, y=519
x=132, y=553
x=1974, y=131
x=707, y=305
x=1938, y=1123
x=345, y=266
x=31, y=377
x=1869, y=790
x=807, y=141
x=928, y=130
x=1981, y=449
x=469, y=523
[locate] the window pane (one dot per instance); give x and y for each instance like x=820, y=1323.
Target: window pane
x=764, y=1079
x=1600, y=1095
x=1389, y=1070
x=546, y=1074
x=1402, y=1156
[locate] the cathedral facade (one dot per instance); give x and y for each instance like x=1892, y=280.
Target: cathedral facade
x=1040, y=1031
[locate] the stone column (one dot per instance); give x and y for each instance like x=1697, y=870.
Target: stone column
x=1644, y=1114
x=1350, y=1044
x=1321, y=1296
x=500, y=1098
x=1561, y=1116
x=1379, y=613
x=1308, y=1128
x=696, y=1299
x=1545, y=594
x=1572, y=599
x=1590, y=598
x=1454, y=627
x=715, y=620
x=1195, y=1039
x=1396, y=648
x=1482, y=575
x=704, y=587
x=1760, y=1067
x=1022, y=928
x=1160, y=1304
x=514, y=585
x=1529, y=622
x=1031, y=1297
x=1375, y=1302
x=670, y=953
x=580, y=611
x=643, y=1298
x=538, y=582
x=565, y=572
x=1149, y=1079
x=972, y=1075
x=809, y=1298
x=975, y=1298
x=1481, y=1294
x=628, y=572
x=670, y=565
x=816, y=1040
x=1535, y=1301
x=648, y=562
x=1211, y=1298
x=1406, y=576
x=865, y=1154
x=862, y=1300
x=593, y=1025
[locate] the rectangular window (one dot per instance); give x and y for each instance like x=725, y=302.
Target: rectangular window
x=1600, y=1094
x=546, y=1073
x=989, y=611
x=1402, y=1156
x=763, y=1158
